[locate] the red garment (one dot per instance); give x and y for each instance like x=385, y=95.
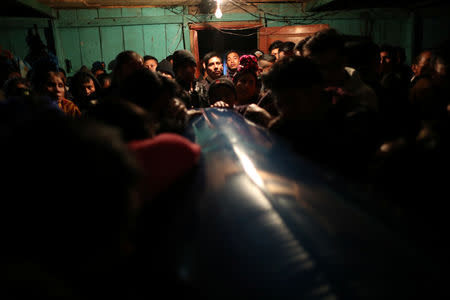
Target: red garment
x=164, y=159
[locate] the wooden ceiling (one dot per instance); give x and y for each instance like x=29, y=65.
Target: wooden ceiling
x=135, y=3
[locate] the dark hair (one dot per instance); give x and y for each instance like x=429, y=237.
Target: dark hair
x=231, y=51
x=210, y=55
x=96, y=66
x=143, y=87
x=165, y=66
x=223, y=81
x=41, y=72
x=267, y=57
x=10, y=87
x=287, y=47
x=292, y=72
x=275, y=45
x=133, y=121
x=76, y=84
x=325, y=40
x=103, y=77
x=149, y=57
x=301, y=44
x=123, y=58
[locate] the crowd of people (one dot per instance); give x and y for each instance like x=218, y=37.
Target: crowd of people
x=83, y=154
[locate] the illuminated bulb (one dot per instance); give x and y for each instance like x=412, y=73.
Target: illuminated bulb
x=218, y=13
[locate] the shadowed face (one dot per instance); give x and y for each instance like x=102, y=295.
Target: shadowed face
x=423, y=65
x=54, y=87
x=151, y=64
x=88, y=88
x=186, y=73
x=232, y=61
x=214, y=69
x=274, y=52
x=245, y=88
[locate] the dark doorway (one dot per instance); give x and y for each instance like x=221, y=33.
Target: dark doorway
x=221, y=40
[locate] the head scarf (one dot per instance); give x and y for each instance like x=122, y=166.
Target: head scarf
x=247, y=63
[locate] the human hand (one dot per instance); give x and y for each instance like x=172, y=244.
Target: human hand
x=221, y=104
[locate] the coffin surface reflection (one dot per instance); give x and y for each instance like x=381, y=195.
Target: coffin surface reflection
x=260, y=222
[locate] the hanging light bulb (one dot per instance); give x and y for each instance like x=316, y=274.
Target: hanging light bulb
x=218, y=13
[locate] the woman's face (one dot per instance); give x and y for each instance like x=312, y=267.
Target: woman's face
x=54, y=88
x=246, y=88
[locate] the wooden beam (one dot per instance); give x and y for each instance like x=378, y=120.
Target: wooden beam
x=38, y=6
x=136, y=3
x=120, y=21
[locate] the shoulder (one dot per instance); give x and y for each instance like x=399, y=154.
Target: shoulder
x=69, y=107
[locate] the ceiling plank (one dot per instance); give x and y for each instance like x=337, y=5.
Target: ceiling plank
x=38, y=6
x=135, y=3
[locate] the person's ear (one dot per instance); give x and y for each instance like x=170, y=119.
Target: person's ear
x=204, y=66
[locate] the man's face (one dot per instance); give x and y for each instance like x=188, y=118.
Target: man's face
x=386, y=62
x=214, y=69
x=88, y=88
x=264, y=67
x=151, y=64
x=186, y=72
x=128, y=68
x=232, y=61
x=424, y=63
x=274, y=52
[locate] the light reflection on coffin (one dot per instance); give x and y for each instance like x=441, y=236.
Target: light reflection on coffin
x=268, y=224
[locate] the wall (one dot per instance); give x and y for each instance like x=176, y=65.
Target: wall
x=86, y=35
x=13, y=32
x=392, y=26
x=434, y=25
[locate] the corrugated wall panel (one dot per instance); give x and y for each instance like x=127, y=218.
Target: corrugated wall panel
x=70, y=47
x=112, y=43
x=5, y=42
x=90, y=45
x=85, y=14
x=18, y=44
x=152, y=11
x=110, y=13
x=134, y=38
x=174, y=37
x=155, y=41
